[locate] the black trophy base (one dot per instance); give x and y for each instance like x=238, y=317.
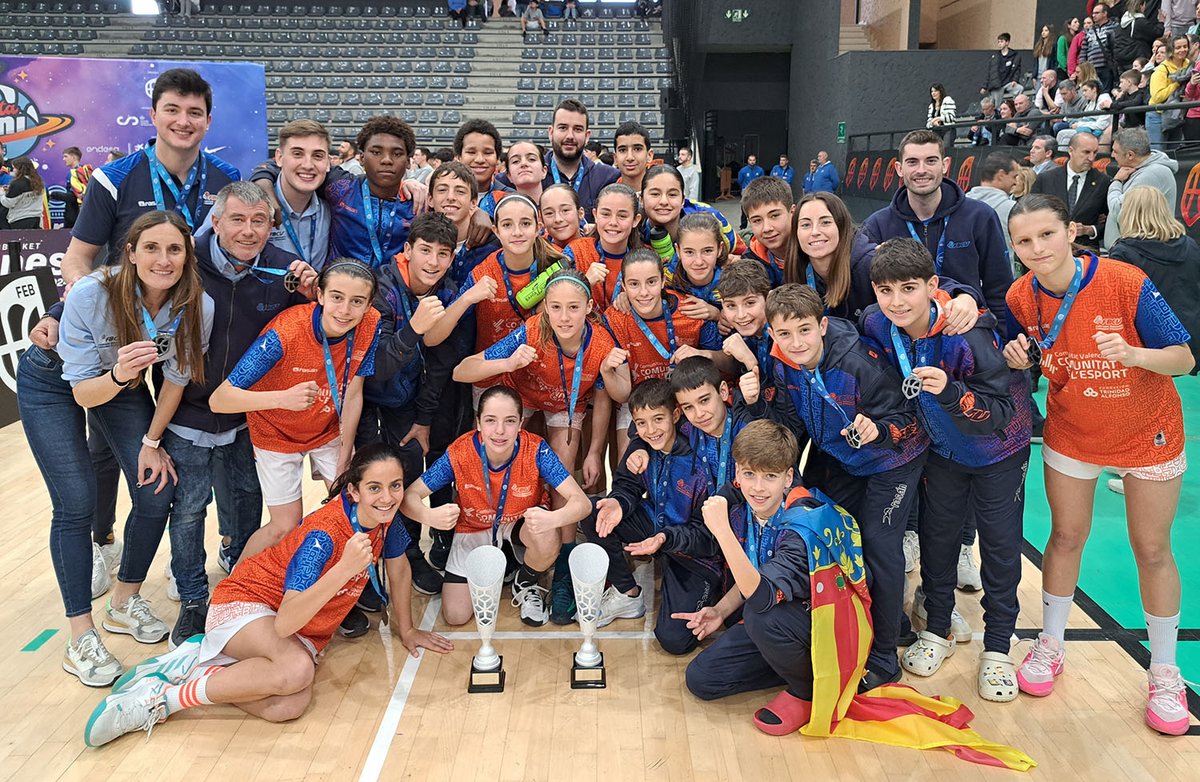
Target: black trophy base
x=487, y=681
x=588, y=677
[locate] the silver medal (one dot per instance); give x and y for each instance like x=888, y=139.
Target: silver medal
x=911, y=387
x=853, y=438
x=1034, y=351
x=291, y=282
x=162, y=343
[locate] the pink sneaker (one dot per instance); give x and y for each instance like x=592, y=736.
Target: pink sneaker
x=1167, y=710
x=1035, y=676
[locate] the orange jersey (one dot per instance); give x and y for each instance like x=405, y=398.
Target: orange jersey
x=497, y=317
x=541, y=384
x=533, y=468
x=1099, y=411
x=287, y=352
x=586, y=251
x=645, y=362
x=263, y=577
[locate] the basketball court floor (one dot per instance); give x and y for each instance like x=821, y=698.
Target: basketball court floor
x=380, y=714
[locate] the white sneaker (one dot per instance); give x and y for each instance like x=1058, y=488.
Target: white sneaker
x=101, y=578
x=1167, y=711
x=531, y=598
x=968, y=571
x=141, y=707
x=112, y=554
x=87, y=658
x=1116, y=485
x=615, y=604
x=926, y=656
x=175, y=666
x=960, y=628
x=172, y=587
x=912, y=551
x=136, y=619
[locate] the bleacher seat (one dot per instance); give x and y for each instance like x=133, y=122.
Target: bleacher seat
x=524, y=101
x=544, y=117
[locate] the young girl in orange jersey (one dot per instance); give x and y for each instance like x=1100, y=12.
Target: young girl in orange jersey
x=1108, y=344
x=561, y=215
x=653, y=336
x=499, y=473
x=300, y=385
x=695, y=271
x=525, y=165
x=664, y=204
x=553, y=361
x=599, y=257
x=270, y=621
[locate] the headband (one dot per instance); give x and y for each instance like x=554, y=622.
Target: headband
x=518, y=197
x=587, y=288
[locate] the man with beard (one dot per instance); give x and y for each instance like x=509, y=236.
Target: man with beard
x=567, y=163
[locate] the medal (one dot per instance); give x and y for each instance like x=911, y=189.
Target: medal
x=291, y=283
x=162, y=343
x=911, y=386
x=163, y=340
x=817, y=383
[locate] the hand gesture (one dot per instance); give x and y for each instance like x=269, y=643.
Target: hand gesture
x=868, y=430
x=933, y=379
x=154, y=464
x=539, y=520
x=593, y=471
x=1113, y=347
x=45, y=333
x=420, y=433
x=621, y=303
x=133, y=358
x=1123, y=173
x=443, y=517
x=1016, y=353
x=736, y=348
x=482, y=290
x=647, y=547
x=429, y=311
x=637, y=462
x=716, y=514
x=522, y=357
x=615, y=358
x=698, y=308
x=608, y=516
x=702, y=623
x=300, y=396
x=356, y=555
x=961, y=314
x=418, y=192
x=684, y=351
x=750, y=386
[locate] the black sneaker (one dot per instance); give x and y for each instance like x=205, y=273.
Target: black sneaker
x=872, y=679
x=370, y=601
x=425, y=579
x=511, y=565
x=562, y=601
x=355, y=623
x=439, y=552
x=192, y=616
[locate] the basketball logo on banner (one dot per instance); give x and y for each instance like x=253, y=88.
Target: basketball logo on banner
x=1189, y=202
x=964, y=173
x=24, y=299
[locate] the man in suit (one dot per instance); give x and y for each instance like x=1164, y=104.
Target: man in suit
x=1083, y=188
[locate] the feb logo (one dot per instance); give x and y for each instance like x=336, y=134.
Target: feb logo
x=889, y=175
x=964, y=173
x=1189, y=202
x=862, y=172
x=850, y=169
x=22, y=125
x=875, y=170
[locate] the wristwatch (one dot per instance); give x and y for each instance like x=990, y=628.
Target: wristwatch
x=146, y=441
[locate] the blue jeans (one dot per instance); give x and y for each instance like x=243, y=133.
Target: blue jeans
x=1154, y=129
x=237, y=491
x=56, y=432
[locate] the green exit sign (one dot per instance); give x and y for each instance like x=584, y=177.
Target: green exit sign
x=841, y=133
x=737, y=14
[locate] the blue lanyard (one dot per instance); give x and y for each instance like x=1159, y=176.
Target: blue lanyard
x=753, y=544
x=152, y=330
x=577, y=376
x=1047, y=340
x=811, y=275
x=508, y=288
x=159, y=175
x=723, y=447
x=384, y=222
x=576, y=181
x=372, y=571
x=941, y=248
x=658, y=490
x=817, y=383
x=502, y=500
x=306, y=253
x=906, y=367
x=290, y=280
x=668, y=351
x=763, y=350
x=336, y=392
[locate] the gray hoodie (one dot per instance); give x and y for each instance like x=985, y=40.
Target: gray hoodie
x=997, y=199
x=1157, y=171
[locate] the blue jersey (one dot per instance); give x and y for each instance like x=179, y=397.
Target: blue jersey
x=351, y=232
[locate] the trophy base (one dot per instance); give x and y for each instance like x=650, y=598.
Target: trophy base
x=588, y=677
x=487, y=681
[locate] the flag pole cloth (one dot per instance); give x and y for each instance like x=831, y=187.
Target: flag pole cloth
x=893, y=714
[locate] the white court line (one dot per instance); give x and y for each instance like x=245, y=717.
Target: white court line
x=395, y=709
x=550, y=635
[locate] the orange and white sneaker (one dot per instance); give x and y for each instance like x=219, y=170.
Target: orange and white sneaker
x=1035, y=675
x=1167, y=710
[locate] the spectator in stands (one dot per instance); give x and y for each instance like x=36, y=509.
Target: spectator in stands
x=1191, y=123
x=1139, y=165
x=1135, y=34
x=566, y=163
x=349, y=152
x=1071, y=28
x=1047, y=97
x=420, y=168
x=982, y=135
x=1004, y=71
x=1098, y=45
x=1076, y=48
x=78, y=175
x=500, y=8
x=689, y=169
x=784, y=170
x=570, y=11
x=458, y=10
x=1179, y=16
x=825, y=178
x=1098, y=126
x=1026, y=121
x=997, y=177
x=1082, y=188
x=1041, y=153
x=942, y=111
x=1070, y=103
x=24, y=197
x=533, y=16
x=1130, y=93
x=633, y=154
x=1166, y=81
x=443, y=155
x=1044, y=49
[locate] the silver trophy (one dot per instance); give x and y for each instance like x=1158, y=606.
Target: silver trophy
x=485, y=579
x=589, y=568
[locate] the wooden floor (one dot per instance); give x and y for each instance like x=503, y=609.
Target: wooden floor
x=380, y=714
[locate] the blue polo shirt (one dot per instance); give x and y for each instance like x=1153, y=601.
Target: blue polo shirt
x=310, y=227
x=123, y=191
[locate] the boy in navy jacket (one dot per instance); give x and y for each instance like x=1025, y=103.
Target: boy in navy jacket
x=656, y=513
x=868, y=452
x=976, y=411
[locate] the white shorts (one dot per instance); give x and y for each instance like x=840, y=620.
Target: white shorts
x=225, y=620
x=281, y=475
x=466, y=542
x=559, y=420
x=1084, y=471
x=624, y=418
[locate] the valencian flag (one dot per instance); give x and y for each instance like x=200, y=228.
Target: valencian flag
x=841, y=638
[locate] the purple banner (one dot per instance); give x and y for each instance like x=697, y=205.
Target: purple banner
x=39, y=249
x=50, y=103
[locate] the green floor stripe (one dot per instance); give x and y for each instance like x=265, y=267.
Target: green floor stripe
x=40, y=641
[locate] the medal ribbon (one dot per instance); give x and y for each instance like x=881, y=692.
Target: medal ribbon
x=1047, y=340
x=159, y=176
x=502, y=499
x=304, y=253
x=940, y=256
x=372, y=571
x=335, y=392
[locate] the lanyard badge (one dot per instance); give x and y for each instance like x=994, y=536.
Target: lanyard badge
x=1036, y=348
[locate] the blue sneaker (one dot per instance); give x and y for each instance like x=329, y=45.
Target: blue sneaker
x=562, y=601
x=173, y=667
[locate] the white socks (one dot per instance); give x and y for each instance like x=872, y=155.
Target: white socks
x=1055, y=610
x=1163, y=632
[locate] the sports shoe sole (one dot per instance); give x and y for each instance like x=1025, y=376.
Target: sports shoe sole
x=154, y=667
x=123, y=630
x=78, y=675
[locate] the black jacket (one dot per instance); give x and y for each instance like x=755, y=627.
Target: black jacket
x=1091, y=207
x=1174, y=268
x=1003, y=69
